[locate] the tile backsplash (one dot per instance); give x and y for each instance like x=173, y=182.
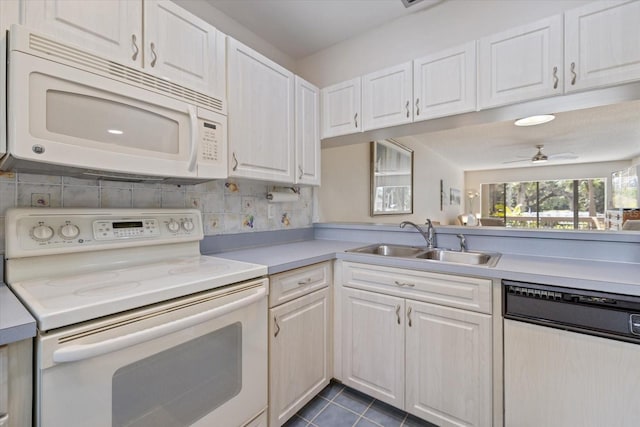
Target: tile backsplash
x=232, y=206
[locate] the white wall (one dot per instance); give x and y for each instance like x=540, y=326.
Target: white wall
x=345, y=191
x=233, y=28
x=447, y=24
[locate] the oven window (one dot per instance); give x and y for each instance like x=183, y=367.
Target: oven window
x=179, y=386
x=109, y=122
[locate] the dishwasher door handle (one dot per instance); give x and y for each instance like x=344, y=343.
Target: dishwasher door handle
x=78, y=352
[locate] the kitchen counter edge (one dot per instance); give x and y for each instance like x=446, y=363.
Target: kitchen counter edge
x=16, y=323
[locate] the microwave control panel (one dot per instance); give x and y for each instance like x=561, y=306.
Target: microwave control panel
x=209, y=142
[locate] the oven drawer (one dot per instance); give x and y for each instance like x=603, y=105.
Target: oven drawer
x=296, y=283
x=469, y=293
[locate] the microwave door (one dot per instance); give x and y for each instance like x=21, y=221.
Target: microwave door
x=64, y=116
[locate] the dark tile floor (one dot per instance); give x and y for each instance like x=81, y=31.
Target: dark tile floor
x=340, y=406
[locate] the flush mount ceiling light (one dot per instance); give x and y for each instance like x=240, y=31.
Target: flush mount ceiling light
x=534, y=120
x=115, y=131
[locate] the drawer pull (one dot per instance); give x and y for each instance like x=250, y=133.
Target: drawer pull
x=305, y=282
x=411, y=285
x=398, y=313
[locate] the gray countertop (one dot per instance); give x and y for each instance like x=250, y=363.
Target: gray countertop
x=616, y=277
x=16, y=323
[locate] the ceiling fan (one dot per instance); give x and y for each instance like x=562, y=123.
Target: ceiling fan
x=541, y=157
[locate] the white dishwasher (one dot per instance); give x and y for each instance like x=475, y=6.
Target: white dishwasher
x=571, y=357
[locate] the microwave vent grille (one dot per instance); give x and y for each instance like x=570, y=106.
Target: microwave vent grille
x=112, y=69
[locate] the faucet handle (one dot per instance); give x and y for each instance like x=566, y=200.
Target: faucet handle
x=463, y=242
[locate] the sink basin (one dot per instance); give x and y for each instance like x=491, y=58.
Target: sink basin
x=469, y=257
x=390, y=250
x=488, y=259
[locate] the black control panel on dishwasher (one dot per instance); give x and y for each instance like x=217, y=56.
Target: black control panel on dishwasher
x=591, y=312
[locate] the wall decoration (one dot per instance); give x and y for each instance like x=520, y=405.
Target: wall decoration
x=454, y=196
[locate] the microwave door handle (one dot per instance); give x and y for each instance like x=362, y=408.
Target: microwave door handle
x=193, y=142
x=74, y=353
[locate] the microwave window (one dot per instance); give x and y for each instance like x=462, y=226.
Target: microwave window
x=105, y=121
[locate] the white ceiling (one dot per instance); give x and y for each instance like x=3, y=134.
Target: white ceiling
x=599, y=134
x=302, y=27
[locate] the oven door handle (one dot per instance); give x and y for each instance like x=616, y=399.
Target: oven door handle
x=74, y=353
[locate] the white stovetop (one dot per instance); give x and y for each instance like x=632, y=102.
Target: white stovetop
x=70, y=299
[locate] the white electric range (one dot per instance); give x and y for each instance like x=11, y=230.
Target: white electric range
x=136, y=327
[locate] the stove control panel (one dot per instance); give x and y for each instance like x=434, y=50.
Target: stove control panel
x=39, y=231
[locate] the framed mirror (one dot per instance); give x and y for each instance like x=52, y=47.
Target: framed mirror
x=391, y=178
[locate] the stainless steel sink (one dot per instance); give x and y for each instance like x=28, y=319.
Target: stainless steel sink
x=489, y=259
x=390, y=250
x=468, y=257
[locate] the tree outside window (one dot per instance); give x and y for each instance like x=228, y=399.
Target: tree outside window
x=554, y=204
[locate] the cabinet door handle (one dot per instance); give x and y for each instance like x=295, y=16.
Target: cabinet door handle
x=301, y=172
x=555, y=77
x=235, y=162
x=305, y=282
x=355, y=119
x=398, y=313
x=573, y=73
x=136, y=50
x=155, y=55
x=411, y=285
x=275, y=323
x=409, y=315
x=407, y=107
x=417, y=106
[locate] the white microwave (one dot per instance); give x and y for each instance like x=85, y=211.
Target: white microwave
x=73, y=113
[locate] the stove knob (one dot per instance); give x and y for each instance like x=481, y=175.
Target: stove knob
x=188, y=226
x=69, y=231
x=173, y=225
x=42, y=233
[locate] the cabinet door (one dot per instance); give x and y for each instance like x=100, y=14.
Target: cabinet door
x=521, y=64
x=602, y=44
x=341, y=109
x=111, y=29
x=445, y=83
x=373, y=344
x=307, y=133
x=448, y=372
x=261, y=119
x=183, y=48
x=387, y=97
x=298, y=354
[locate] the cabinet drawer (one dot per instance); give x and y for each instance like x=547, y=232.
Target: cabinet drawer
x=301, y=281
x=469, y=293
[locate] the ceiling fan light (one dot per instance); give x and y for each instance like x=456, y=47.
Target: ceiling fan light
x=534, y=120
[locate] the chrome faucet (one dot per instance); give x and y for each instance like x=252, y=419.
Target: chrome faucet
x=463, y=242
x=429, y=236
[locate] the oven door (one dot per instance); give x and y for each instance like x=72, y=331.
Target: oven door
x=65, y=117
x=198, y=361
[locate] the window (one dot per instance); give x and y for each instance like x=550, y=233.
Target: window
x=556, y=204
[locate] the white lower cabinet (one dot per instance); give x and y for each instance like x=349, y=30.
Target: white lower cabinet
x=448, y=365
x=431, y=360
x=299, y=343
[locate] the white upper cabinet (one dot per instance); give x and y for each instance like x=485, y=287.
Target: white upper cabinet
x=387, y=97
x=165, y=40
x=113, y=28
x=602, y=44
x=445, y=83
x=181, y=47
x=307, y=133
x=521, y=64
x=341, y=108
x=261, y=116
